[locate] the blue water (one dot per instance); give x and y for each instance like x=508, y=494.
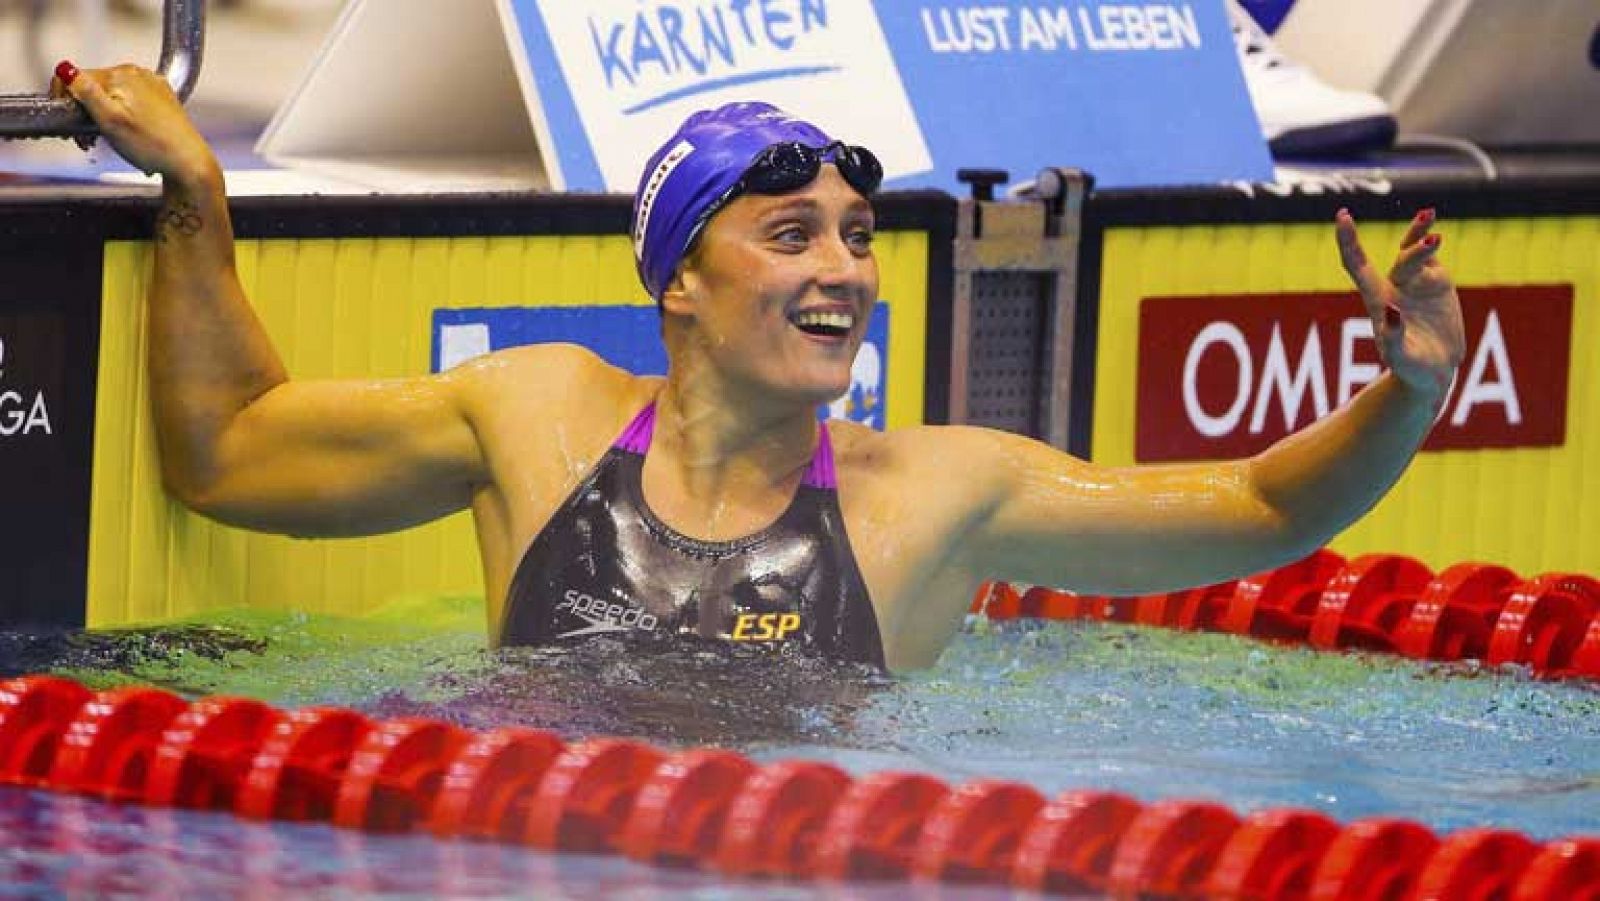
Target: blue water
x=62, y=846
x=1151, y=713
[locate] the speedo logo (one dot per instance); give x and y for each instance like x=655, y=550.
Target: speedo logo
x=603, y=615
x=764, y=626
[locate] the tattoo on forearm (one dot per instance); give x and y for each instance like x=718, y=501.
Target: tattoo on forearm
x=178, y=218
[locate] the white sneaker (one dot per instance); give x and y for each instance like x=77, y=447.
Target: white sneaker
x=1300, y=114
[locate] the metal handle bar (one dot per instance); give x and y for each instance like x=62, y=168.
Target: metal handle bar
x=183, y=40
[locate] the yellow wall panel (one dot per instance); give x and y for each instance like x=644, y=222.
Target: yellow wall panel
x=356, y=308
x=903, y=258
x=1533, y=509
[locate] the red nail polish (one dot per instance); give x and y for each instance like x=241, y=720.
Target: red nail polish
x=1432, y=240
x=1391, y=316
x=1427, y=214
x=67, y=72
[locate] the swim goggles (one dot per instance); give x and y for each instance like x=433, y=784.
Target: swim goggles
x=790, y=165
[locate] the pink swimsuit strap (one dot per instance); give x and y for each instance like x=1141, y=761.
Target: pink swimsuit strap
x=635, y=439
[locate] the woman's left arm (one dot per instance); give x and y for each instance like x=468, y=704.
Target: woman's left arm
x=1060, y=521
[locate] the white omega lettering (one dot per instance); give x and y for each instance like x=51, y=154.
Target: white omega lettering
x=22, y=413
x=1478, y=389
x=10, y=413
x=18, y=415
x=1227, y=334
x=1275, y=380
x=1353, y=375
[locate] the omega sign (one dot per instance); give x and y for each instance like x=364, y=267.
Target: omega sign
x=22, y=412
x=1223, y=377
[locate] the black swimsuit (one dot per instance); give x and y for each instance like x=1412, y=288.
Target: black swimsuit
x=606, y=564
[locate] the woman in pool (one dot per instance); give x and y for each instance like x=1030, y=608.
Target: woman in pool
x=711, y=502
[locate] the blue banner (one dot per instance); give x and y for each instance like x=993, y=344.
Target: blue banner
x=1139, y=94
x=629, y=337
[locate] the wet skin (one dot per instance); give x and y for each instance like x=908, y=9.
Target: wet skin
x=930, y=511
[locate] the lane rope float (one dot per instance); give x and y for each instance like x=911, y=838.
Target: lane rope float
x=718, y=811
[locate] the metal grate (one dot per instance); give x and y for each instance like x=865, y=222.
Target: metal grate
x=1010, y=350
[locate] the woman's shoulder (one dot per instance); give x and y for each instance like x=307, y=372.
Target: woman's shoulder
x=552, y=368
x=930, y=481
x=910, y=450
x=935, y=444
x=568, y=382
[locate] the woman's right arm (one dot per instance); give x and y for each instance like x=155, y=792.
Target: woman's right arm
x=238, y=440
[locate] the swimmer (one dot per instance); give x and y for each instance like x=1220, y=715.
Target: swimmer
x=711, y=502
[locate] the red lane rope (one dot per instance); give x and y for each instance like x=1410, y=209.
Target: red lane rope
x=1386, y=603
x=719, y=811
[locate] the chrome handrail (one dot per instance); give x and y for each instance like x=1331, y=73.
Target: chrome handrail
x=183, y=40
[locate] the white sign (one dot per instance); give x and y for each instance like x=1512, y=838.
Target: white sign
x=637, y=68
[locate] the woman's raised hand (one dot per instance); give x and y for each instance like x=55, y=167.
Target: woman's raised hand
x=1416, y=315
x=140, y=115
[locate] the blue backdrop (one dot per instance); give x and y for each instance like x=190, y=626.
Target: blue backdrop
x=1138, y=94
x=630, y=337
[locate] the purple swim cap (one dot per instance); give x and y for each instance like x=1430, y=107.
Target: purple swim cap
x=695, y=167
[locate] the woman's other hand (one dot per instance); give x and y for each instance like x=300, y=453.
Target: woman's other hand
x=1416, y=315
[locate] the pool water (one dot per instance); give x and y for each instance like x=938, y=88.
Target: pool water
x=1151, y=713
x=62, y=846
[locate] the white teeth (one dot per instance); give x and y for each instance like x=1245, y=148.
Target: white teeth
x=825, y=320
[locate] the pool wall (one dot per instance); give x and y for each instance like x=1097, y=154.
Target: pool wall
x=49, y=329
x=1519, y=497
x=347, y=288
x=358, y=286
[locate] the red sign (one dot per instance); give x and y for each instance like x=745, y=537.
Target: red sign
x=1222, y=377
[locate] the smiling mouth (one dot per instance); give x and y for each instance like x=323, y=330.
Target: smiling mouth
x=824, y=324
